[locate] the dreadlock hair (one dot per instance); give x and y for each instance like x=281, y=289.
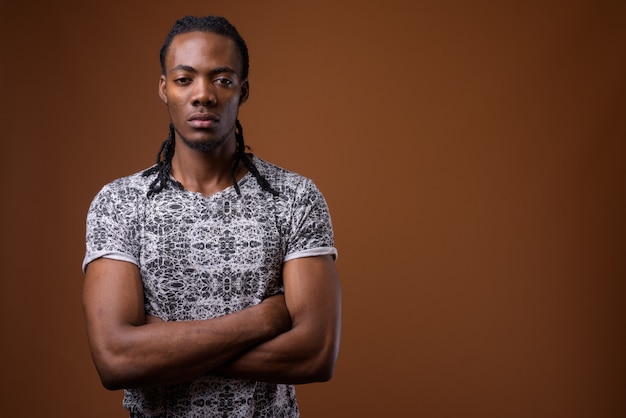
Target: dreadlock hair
x=163, y=167
x=246, y=158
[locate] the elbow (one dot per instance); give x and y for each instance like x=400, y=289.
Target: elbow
x=114, y=371
x=322, y=358
x=323, y=374
x=317, y=374
x=321, y=367
x=111, y=383
x=112, y=376
x=326, y=370
x=118, y=364
x=117, y=377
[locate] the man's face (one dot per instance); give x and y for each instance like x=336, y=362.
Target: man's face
x=203, y=89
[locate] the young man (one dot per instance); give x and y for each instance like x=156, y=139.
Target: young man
x=210, y=287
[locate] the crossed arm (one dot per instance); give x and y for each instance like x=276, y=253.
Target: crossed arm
x=289, y=339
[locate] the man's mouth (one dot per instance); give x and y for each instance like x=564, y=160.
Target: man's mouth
x=203, y=120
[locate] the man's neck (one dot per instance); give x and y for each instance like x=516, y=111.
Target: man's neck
x=205, y=172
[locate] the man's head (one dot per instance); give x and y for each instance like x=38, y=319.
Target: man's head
x=215, y=24
x=204, y=66
x=185, y=40
x=203, y=89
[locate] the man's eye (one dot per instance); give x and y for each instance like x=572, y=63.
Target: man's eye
x=223, y=81
x=182, y=80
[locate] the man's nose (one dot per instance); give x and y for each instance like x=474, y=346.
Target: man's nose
x=203, y=93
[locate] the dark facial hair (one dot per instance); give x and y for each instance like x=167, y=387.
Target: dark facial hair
x=206, y=146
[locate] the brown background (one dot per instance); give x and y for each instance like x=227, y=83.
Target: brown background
x=472, y=154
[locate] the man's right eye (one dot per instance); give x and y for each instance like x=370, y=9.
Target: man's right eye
x=182, y=80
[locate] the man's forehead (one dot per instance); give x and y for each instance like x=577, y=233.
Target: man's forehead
x=202, y=46
x=202, y=42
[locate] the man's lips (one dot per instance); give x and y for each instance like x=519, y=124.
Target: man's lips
x=203, y=120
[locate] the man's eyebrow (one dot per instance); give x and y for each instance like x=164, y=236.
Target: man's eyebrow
x=217, y=70
x=184, y=68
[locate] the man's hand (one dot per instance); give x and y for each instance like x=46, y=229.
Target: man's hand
x=277, y=313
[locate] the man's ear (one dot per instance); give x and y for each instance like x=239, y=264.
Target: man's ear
x=245, y=92
x=163, y=88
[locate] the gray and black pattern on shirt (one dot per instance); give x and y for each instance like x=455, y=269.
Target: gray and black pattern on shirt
x=204, y=257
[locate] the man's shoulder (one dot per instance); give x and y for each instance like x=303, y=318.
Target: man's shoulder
x=277, y=176
x=135, y=185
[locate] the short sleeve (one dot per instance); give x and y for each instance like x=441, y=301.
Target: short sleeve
x=111, y=229
x=311, y=231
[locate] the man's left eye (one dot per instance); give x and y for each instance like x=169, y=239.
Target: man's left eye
x=224, y=81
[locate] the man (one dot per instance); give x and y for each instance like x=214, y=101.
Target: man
x=210, y=287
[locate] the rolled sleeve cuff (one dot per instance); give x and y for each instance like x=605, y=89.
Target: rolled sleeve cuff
x=312, y=252
x=110, y=255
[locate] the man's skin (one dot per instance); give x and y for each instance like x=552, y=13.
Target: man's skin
x=290, y=338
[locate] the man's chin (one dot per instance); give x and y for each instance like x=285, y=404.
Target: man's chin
x=204, y=145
